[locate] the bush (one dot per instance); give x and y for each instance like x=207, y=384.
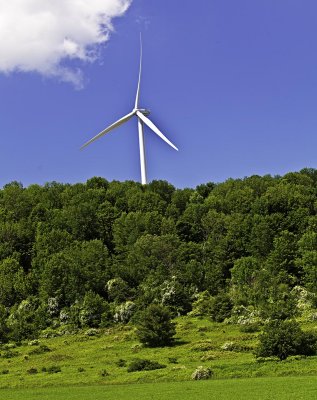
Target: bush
x=32, y=371
x=9, y=354
x=282, y=338
x=202, y=346
x=92, y=332
x=40, y=350
x=144, y=365
x=104, y=372
x=250, y=328
x=228, y=346
x=202, y=305
x=155, y=328
x=121, y=363
x=34, y=342
x=5, y=371
x=221, y=307
x=53, y=369
x=124, y=312
x=201, y=373
x=92, y=310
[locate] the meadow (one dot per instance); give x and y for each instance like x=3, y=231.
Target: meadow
x=84, y=366
x=286, y=388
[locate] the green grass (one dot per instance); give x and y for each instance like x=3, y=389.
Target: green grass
x=299, y=388
x=81, y=360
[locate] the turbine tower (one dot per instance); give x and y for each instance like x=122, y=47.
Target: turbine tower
x=141, y=114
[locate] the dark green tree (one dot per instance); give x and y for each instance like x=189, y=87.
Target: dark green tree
x=285, y=338
x=155, y=327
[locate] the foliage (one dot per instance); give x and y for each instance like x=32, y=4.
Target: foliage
x=124, y=312
x=155, y=328
x=201, y=373
x=53, y=369
x=86, y=255
x=94, y=310
x=285, y=338
x=221, y=307
x=202, y=306
x=144, y=365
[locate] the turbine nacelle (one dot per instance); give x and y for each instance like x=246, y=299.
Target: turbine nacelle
x=143, y=111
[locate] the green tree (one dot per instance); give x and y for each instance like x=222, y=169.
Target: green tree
x=13, y=282
x=244, y=278
x=155, y=327
x=221, y=307
x=3, y=324
x=285, y=338
x=307, y=261
x=94, y=310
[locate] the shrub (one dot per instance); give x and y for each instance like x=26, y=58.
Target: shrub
x=202, y=305
x=250, y=328
x=53, y=369
x=202, y=346
x=5, y=371
x=26, y=319
x=155, y=328
x=9, y=354
x=49, y=333
x=118, y=290
x=34, y=342
x=40, y=350
x=104, y=372
x=92, y=310
x=81, y=369
x=121, y=363
x=221, y=307
x=209, y=357
x=92, y=332
x=202, y=373
x=228, y=346
x=282, y=338
x=32, y=371
x=124, y=312
x=144, y=365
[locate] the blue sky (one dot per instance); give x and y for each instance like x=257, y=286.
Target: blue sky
x=231, y=83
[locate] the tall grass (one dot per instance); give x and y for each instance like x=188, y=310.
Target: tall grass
x=81, y=359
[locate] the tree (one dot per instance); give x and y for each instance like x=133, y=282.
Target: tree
x=3, y=323
x=155, y=328
x=93, y=309
x=245, y=276
x=13, y=285
x=221, y=307
x=285, y=338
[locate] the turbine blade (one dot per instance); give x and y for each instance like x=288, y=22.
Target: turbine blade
x=150, y=124
x=140, y=71
x=110, y=128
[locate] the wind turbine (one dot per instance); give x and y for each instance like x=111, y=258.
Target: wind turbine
x=141, y=114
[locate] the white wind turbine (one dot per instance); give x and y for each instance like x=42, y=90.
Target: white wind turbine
x=141, y=114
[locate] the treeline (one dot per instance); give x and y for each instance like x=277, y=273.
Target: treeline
x=95, y=253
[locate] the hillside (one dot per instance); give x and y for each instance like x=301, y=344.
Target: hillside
x=104, y=358
x=92, y=255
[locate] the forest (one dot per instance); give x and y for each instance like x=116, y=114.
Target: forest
x=98, y=253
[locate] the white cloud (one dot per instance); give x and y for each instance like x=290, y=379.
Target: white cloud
x=39, y=35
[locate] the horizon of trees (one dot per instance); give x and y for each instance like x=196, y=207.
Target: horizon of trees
x=95, y=253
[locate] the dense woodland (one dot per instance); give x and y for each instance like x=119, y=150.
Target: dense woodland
x=97, y=253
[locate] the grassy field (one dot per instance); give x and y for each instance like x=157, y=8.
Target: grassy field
x=299, y=388
x=72, y=365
